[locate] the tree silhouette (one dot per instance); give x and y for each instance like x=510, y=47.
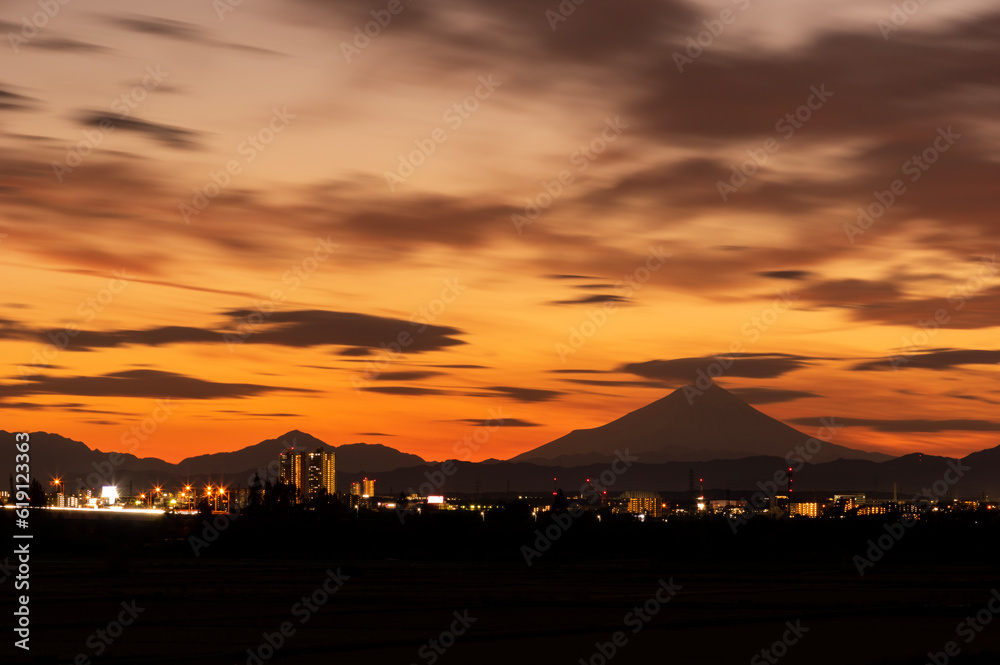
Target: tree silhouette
x=204, y=509
x=255, y=491
x=36, y=494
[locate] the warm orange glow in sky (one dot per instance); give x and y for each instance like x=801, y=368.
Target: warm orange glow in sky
x=217, y=229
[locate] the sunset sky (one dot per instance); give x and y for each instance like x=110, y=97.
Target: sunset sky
x=242, y=208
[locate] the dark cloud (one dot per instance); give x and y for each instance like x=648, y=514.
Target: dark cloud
x=307, y=328
x=355, y=351
x=614, y=384
x=958, y=309
x=849, y=293
x=526, y=394
x=175, y=137
x=939, y=359
x=427, y=219
x=687, y=370
x=974, y=398
x=160, y=27
x=908, y=425
x=261, y=415
x=298, y=329
x=503, y=422
x=180, y=31
x=66, y=45
x=145, y=383
x=762, y=395
x=406, y=376
x=405, y=390
x=31, y=406
x=925, y=70
x=590, y=300
x=786, y=274
x=12, y=101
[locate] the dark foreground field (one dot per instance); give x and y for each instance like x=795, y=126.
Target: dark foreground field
x=213, y=608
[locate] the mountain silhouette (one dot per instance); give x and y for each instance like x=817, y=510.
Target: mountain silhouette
x=54, y=456
x=688, y=425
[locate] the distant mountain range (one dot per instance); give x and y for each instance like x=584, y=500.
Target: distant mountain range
x=54, y=456
x=738, y=477
x=714, y=435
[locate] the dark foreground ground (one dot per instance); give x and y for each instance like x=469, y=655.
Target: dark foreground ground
x=213, y=608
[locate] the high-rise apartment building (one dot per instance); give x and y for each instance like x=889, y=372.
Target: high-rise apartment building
x=309, y=472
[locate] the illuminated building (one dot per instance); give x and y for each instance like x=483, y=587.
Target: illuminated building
x=314, y=472
x=643, y=503
x=364, y=488
x=109, y=495
x=810, y=509
x=850, y=501
x=872, y=510
x=309, y=472
x=290, y=468
x=330, y=473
